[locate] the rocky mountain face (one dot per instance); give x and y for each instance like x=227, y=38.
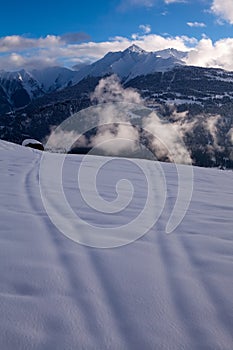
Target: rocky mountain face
x=204, y=95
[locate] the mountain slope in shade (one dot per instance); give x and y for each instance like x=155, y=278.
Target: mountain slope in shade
x=19, y=88
x=160, y=292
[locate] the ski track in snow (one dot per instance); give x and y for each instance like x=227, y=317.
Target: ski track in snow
x=161, y=292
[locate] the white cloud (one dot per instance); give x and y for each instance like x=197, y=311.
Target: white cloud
x=146, y=28
x=20, y=52
x=117, y=140
x=209, y=54
x=196, y=24
x=17, y=52
x=15, y=61
x=125, y=4
x=211, y=125
x=173, y=1
x=223, y=9
x=110, y=90
x=19, y=43
x=168, y=142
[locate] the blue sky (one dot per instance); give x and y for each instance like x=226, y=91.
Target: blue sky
x=50, y=32
x=104, y=19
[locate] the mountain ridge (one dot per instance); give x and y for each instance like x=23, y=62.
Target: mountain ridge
x=19, y=88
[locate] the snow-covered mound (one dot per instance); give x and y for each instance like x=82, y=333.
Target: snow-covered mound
x=160, y=292
x=33, y=144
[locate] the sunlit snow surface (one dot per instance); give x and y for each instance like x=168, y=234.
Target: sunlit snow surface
x=160, y=292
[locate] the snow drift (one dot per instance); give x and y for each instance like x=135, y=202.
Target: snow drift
x=159, y=292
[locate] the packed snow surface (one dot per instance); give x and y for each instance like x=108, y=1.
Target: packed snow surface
x=163, y=291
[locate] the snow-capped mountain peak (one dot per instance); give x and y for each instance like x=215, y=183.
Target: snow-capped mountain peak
x=134, y=48
x=132, y=62
x=170, y=52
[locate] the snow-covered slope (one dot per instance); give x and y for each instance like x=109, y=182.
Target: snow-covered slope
x=133, y=62
x=18, y=88
x=159, y=292
x=54, y=78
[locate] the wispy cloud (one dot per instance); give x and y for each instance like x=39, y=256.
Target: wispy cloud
x=196, y=24
x=173, y=1
x=146, y=28
x=223, y=9
x=126, y=4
